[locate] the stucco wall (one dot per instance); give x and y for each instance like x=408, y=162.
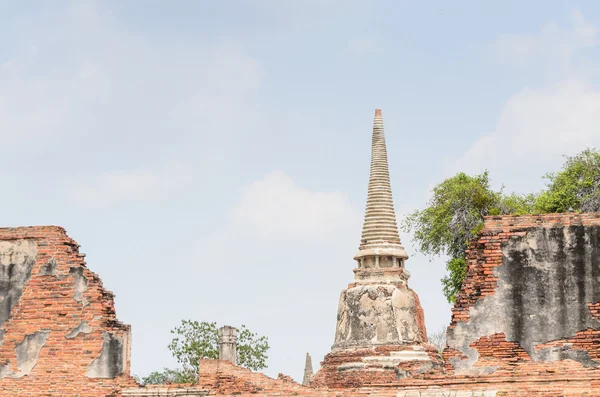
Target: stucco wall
x=531, y=297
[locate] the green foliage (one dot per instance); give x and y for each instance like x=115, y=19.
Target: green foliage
x=168, y=376
x=453, y=215
x=455, y=212
x=576, y=187
x=252, y=349
x=516, y=204
x=457, y=270
x=195, y=340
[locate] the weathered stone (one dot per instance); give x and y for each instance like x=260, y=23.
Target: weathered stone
x=28, y=351
x=111, y=363
x=5, y=370
x=81, y=285
x=16, y=262
x=228, y=344
x=378, y=311
x=308, y=371
x=370, y=315
x=545, y=283
x=83, y=327
x=50, y=268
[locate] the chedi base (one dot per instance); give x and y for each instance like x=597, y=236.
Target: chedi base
x=380, y=337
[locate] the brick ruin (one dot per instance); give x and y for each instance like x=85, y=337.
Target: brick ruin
x=531, y=300
x=526, y=322
x=59, y=335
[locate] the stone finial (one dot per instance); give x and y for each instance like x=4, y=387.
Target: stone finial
x=308, y=371
x=380, y=231
x=227, y=344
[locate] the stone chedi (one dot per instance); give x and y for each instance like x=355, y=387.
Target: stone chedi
x=308, y=371
x=380, y=333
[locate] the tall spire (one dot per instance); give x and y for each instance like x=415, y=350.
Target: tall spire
x=380, y=331
x=380, y=236
x=380, y=218
x=377, y=309
x=308, y=371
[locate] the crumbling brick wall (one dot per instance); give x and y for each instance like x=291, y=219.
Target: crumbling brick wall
x=59, y=335
x=530, y=302
x=221, y=378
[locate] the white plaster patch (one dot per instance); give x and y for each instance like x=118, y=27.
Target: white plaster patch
x=17, y=251
x=399, y=357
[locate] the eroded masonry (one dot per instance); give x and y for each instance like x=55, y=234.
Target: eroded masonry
x=526, y=322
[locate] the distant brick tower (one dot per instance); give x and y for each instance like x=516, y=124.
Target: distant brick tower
x=380, y=334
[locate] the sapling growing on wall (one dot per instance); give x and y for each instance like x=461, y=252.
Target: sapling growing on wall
x=453, y=216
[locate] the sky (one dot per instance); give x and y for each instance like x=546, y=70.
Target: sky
x=212, y=158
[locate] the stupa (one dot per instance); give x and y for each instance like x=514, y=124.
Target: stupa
x=380, y=334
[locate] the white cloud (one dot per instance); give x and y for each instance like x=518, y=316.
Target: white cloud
x=275, y=208
x=114, y=187
x=540, y=125
x=553, y=45
x=537, y=126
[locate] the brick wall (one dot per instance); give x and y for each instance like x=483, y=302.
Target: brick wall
x=362, y=367
x=221, y=378
x=59, y=333
x=529, y=304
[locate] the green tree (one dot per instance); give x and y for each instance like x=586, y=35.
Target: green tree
x=454, y=215
x=168, y=376
x=194, y=340
x=575, y=187
x=455, y=212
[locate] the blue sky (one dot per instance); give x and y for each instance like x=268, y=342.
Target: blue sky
x=212, y=158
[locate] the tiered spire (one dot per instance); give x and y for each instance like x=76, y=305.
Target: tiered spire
x=377, y=309
x=380, y=218
x=380, y=236
x=308, y=371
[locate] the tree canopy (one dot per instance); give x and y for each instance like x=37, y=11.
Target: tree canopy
x=168, y=376
x=575, y=187
x=455, y=212
x=194, y=340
